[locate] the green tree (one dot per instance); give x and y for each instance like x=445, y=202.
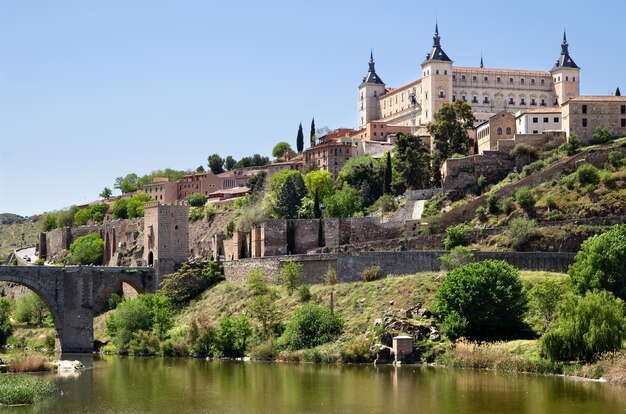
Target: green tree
x=572, y=146
x=388, y=174
x=196, y=199
x=200, y=169
x=544, y=300
x=289, y=197
x=254, y=161
x=290, y=275
x=366, y=175
x=120, y=209
x=87, y=249
x=48, y=222
x=449, y=132
x=229, y=163
x=601, y=263
x=135, y=205
x=263, y=308
x=300, y=139
x=5, y=320
x=487, y=298
x=587, y=174
x=81, y=217
x=317, y=210
x=312, y=134
x=31, y=310
x=106, y=193
x=586, y=327
x=602, y=135
x=216, y=163
x=233, y=335
x=342, y=204
x=320, y=181
x=525, y=199
x=256, y=184
x=412, y=163
x=455, y=236
x=281, y=149
x=310, y=326
x=127, y=184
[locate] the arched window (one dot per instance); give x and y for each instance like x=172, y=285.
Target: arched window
x=499, y=131
x=508, y=131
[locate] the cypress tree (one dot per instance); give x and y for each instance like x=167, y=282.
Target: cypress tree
x=313, y=138
x=617, y=92
x=388, y=174
x=300, y=139
x=317, y=211
x=476, y=146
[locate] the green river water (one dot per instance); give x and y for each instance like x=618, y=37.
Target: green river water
x=129, y=385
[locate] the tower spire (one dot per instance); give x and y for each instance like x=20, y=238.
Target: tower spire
x=565, y=60
x=371, y=76
x=437, y=52
x=481, y=60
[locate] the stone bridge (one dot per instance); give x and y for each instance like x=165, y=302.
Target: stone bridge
x=75, y=293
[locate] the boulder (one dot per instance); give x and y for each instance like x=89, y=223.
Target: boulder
x=65, y=365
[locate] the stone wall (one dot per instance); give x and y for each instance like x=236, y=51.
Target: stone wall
x=350, y=265
x=546, y=140
x=58, y=240
x=425, y=194
x=458, y=173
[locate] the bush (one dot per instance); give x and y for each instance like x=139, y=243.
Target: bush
x=488, y=295
x=31, y=310
x=585, y=327
x=196, y=213
x=481, y=183
x=202, y=337
x=525, y=199
x=615, y=159
x=233, y=335
x=572, y=146
x=454, y=325
x=310, y=326
x=550, y=202
x=607, y=178
x=455, y=236
x=114, y=300
x=196, y=199
x=492, y=204
x=506, y=205
x=458, y=256
x=357, y=352
x=209, y=212
x=587, y=174
x=86, y=250
x=18, y=389
x=265, y=351
x=481, y=214
x=290, y=275
x=601, y=263
x=555, y=215
x=544, y=300
x=39, y=262
x=144, y=343
x=371, y=273
x=532, y=168
x=304, y=291
x=433, y=206
x=520, y=232
x=602, y=135
x=190, y=280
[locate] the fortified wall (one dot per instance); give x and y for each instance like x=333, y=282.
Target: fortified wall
x=349, y=266
x=458, y=173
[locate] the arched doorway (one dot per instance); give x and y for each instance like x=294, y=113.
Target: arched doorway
x=150, y=259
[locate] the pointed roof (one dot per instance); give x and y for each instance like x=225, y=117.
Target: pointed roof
x=481, y=61
x=437, y=52
x=371, y=76
x=565, y=60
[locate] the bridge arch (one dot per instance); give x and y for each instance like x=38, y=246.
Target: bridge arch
x=105, y=290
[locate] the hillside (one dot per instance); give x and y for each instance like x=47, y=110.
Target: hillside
x=11, y=228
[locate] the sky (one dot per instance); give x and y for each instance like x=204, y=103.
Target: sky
x=90, y=91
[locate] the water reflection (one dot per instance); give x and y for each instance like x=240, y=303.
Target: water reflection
x=127, y=385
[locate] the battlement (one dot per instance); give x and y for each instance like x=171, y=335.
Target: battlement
x=152, y=204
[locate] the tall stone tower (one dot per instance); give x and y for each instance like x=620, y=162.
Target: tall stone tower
x=166, y=236
x=436, y=80
x=565, y=75
x=370, y=90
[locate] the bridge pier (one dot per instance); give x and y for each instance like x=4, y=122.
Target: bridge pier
x=74, y=294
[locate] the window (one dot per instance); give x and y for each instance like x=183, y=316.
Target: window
x=511, y=101
x=511, y=81
x=486, y=79
x=567, y=78
x=522, y=102
x=453, y=98
x=623, y=109
x=573, y=78
x=486, y=99
x=532, y=81
x=474, y=99
x=508, y=131
x=543, y=102
x=584, y=109
x=437, y=72
x=375, y=94
x=543, y=82
x=533, y=102
x=535, y=132
x=498, y=79
x=521, y=81
x=585, y=122
x=473, y=78
x=445, y=72
x=556, y=119
x=441, y=94
x=499, y=131
x=464, y=98
x=453, y=77
x=462, y=78
x=545, y=120
x=623, y=122
x=535, y=120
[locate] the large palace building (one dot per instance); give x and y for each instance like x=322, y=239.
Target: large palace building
x=487, y=90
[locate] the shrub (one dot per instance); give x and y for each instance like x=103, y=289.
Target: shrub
x=433, y=206
x=39, y=262
x=357, y=352
x=18, y=389
x=520, y=231
x=585, y=327
x=304, y=291
x=256, y=282
x=550, y=203
x=144, y=343
x=601, y=263
x=525, y=199
x=31, y=310
x=265, y=351
x=290, y=275
x=524, y=150
x=233, y=335
x=190, y=280
x=371, y=273
x=608, y=180
x=196, y=199
x=263, y=308
x=533, y=167
x=602, y=135
x=454, y=325
x=209, y=212
x=492, y=204
x=202, y=337
x=455, y=236
x=330, y=277
x=587, y=174
x=488, y=295
x=458, y=256
x=544, y=299
x=572, y=146
x=481, y=183
x=114, y=300
x=311, y=325
x=196, y=213
x=506, y=205
x=615, y=158
x=481, y=214
x=87, y=249
x=555, y=215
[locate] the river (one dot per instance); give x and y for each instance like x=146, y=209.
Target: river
x=133, y=385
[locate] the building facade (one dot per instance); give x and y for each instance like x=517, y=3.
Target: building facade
x=582, y=115
x=535, y=121
x=488, y=91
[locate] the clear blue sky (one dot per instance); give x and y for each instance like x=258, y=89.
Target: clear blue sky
x=93, y=90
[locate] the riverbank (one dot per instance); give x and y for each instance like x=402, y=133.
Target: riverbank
x=17, y=389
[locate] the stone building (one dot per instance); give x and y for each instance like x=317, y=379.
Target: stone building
x=499, y=126
x=162, y=189
x=331, y=152
x=487, y=90
x=583, y=114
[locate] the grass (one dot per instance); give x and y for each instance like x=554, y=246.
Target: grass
x=28, y=362
x=23, y=389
